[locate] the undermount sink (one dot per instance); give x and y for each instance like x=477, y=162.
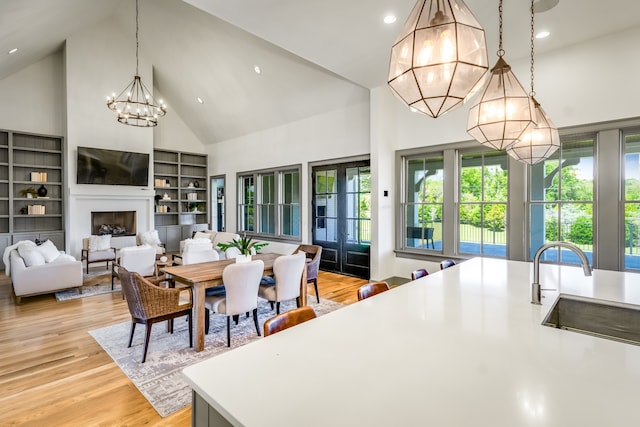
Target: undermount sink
x=605, y=319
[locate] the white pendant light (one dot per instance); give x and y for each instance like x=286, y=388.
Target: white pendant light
x=439, y=60
x=504, y=109
x=540, y=139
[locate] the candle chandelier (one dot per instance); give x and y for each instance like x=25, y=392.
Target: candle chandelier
x=540, y=139
x=439, y=60
x=135, y=105
x=504, y=110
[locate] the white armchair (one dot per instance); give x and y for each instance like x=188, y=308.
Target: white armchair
x=136, y=259
x=97, y=249
x=151, y=238
x=196, y=244
x=241, y=282
x=196, y=253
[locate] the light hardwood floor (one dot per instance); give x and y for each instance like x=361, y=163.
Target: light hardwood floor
x=53, y=373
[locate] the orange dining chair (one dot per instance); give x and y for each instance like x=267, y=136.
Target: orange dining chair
x=447, y=263
x=288, y=319
x=419, y=273
x=371, y=289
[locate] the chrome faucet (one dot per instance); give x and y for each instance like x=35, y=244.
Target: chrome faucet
x=535, y=286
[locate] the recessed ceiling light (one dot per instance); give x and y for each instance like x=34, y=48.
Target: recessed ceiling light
x=14, y=50
x=389, y=19
x=542, y=34
x=200, y=100
x=257, y=69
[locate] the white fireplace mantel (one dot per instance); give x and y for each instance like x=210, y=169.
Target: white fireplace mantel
x=81, y=204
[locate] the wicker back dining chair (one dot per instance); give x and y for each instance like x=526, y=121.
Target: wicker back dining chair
x=149, y=304
x=371, y=289
x=288, y=319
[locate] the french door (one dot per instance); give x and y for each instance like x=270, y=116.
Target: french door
x=342, y=217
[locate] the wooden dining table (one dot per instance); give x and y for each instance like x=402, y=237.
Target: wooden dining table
x=204, y=275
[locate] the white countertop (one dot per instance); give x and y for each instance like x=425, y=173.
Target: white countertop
x=461, y=347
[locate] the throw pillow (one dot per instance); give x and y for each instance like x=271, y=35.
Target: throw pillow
x=100, y=243
x=48, y=251
x=30, y=255
x=150, y=238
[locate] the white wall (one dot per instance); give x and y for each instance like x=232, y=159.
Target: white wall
x=33, y=99
x=340, y=133
x=586, y=83
x=172, y=133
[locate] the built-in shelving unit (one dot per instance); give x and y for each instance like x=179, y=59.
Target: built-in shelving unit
x=29, y=163
x=180, y=183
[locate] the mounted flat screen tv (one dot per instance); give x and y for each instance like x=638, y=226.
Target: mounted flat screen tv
x=111, y=167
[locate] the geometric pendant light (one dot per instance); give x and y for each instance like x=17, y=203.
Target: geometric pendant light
x=540, y=139
x=504, y=109
x=135, y=105
x=439, y=60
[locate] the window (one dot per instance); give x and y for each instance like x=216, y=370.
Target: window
x=358, y=194
x=246, y=200
x=423, y=199
x=631, y=193
x=483, y=203
x=273, y=209
x=561, y=200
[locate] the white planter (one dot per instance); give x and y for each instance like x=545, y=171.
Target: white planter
x=243, y=258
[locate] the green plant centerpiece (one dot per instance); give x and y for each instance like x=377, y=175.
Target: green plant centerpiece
x=244, y=244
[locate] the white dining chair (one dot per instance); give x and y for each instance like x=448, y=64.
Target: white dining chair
x=287, y=274
x=241, y=282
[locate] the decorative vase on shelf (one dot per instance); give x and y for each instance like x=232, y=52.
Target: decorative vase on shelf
x=42, y=191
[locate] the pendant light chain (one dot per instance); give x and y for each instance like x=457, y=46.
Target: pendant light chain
x=500, y=49
x=533, y=92
x=135, y=105
x=137, y=38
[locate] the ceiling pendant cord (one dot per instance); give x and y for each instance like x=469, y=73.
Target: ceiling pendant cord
x=540, y=139
x=504, y=109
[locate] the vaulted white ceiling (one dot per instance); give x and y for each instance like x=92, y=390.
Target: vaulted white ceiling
x=315, y=56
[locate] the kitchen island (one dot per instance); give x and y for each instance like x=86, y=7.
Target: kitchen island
x=460, y=347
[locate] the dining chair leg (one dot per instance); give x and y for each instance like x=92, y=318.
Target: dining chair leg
x=228, y=331
x=255, y=321
x=147, y=337
x=271, y=304
x=278, y=307
x=236, y=318
x=298, y=302
x=133, y=328
x=315, y=285
x=207, y=313
x=190, y=329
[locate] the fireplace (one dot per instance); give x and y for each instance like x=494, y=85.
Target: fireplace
x=116, y=223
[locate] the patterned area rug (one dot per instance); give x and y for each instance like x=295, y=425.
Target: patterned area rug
x=160, y=379
x=95, y=283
